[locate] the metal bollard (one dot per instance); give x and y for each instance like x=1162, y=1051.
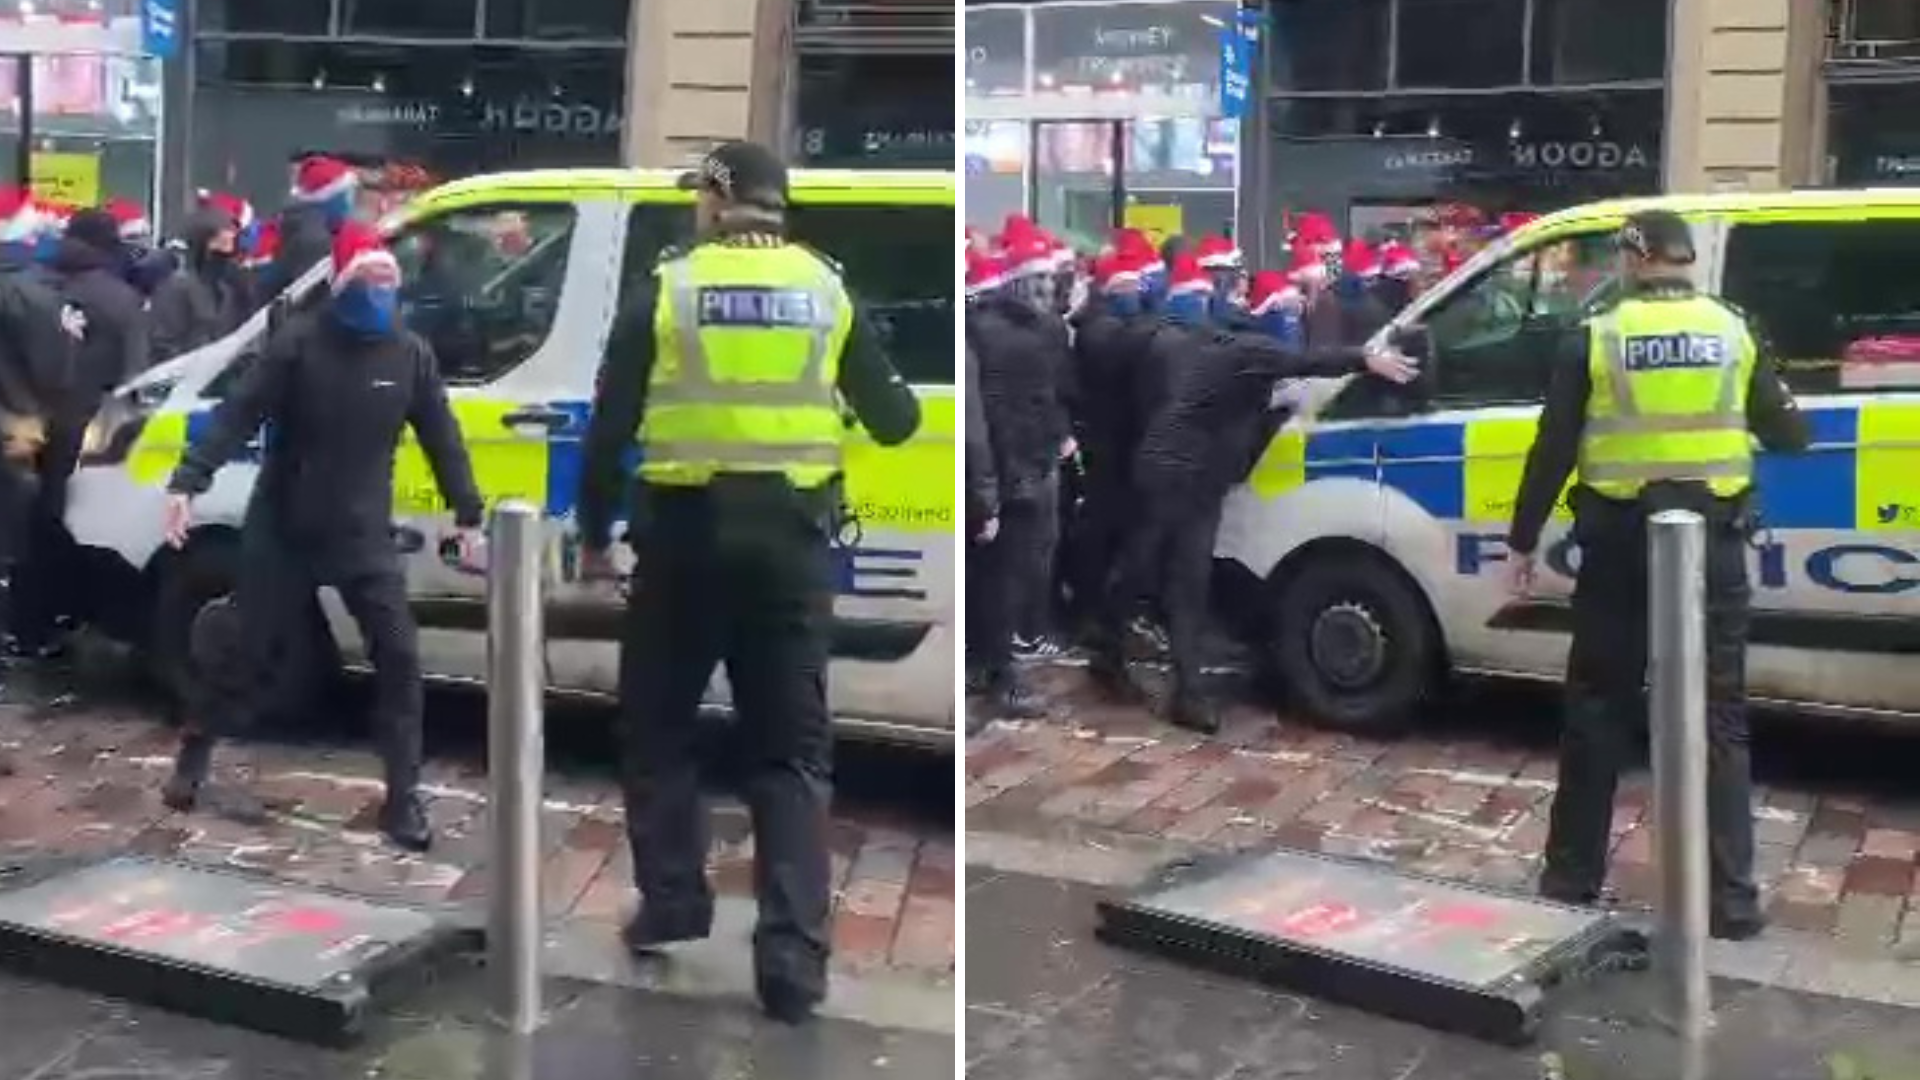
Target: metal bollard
x=516, y=761
x=1677, y=658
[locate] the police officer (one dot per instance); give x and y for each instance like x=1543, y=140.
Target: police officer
x=726, y=367
x=1654, y=403
x=337, y=388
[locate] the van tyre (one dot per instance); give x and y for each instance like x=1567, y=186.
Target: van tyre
x=1354, y=643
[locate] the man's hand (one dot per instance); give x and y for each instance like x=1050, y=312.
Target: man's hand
x=178, y=520
x=596, y=566
x=469, y=549
x=1520, y=574
x=988, y=531
x=1068, y=448
x=1392, y=365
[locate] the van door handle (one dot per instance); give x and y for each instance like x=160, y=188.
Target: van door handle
x=551, y=419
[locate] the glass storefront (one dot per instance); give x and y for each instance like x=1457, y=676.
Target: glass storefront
x=445, y=87
x=96, y=101
x=1383, y=114
x=875, y=111
x=1084, y=114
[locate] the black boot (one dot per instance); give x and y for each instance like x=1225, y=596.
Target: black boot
x=650, y=931
x=1009, y=699
x=787, y=1003
x=404, y=821
x=181, y=793
x=1193, y=711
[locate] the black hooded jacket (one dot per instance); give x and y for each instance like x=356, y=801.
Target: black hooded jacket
x=36, y=352
x=1196, y=445
x=1109, y=351
x=112, y=319
x=204, y=301
x=1024, y=385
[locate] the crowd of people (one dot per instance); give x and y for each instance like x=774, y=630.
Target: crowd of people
x=90, y=297
x=1113, y=404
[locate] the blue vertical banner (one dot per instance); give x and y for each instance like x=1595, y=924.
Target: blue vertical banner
x=159, y=28
x=1239, y=45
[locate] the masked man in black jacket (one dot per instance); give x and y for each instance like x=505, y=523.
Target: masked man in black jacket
x=336, y=387
x=1192, y=454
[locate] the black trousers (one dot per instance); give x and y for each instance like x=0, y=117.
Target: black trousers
x=1092, y=550
x=1606, y=698
x=241, y=662
x=1169, y=556
x=50, y=582
x=1015, y=577
x=18, y=491
x=741, y=578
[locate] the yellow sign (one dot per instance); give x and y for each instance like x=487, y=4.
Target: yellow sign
x=73, y=179
x=1158, y=222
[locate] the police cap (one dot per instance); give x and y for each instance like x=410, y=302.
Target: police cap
x=1658, y=235
x=740, y=172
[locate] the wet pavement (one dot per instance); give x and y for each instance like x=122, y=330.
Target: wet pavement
x=1464, y=796
x=1047, y=1002
x=594, y=1032
x=89, y=756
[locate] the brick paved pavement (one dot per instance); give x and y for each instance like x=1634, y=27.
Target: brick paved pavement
x=87, y=777
x=1461, y=804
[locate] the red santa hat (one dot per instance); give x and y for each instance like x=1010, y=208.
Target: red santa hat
x=984, y=272
x=1514, y=222
x=1115, y=272
x=1398, y=261
x=1316, y=230
x=1138, y=250
x=1063, y=254
x=266, y=244
x=19, y=219
x=1309, y=266
x=1360, y=260
x=1271, y=291
x=318, y=179
x=360, y=255
x=54, y=214
x=235, y=207
x=1027, y=255
x=131, y=219
x=1217, y=253
x=1185, y=276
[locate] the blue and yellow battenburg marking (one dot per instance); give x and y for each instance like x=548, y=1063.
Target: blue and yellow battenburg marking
x=907, y=488
x=1862, y=471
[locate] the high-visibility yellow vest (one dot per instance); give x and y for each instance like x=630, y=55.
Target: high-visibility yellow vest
x=748, y=342
x=1669, y=399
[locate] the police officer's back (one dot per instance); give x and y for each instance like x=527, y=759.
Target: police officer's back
x=1657, y=402
x=726, y=368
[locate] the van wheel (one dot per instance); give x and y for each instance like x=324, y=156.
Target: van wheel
x=1354, y=642
x=195, y=584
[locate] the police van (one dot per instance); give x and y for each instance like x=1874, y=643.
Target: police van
x=1371, y=531
x=515, y=280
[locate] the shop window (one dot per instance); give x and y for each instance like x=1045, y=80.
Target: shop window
x=1329, y=44
x=1577, y=42
x=1460, y=43
x=254, y=17
x=898, y=262
x=1837, y=302
x=409, y=18
x=483, y=285
x=1883, y=20
x=558, y=20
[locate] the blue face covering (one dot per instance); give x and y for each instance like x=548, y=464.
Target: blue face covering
x=1188, y=309
x=367, y=309
x=46, y=247
x=1153, y=290
x=338, y=209
x=248, y=240
x=1124, y=304
x=1284, y=325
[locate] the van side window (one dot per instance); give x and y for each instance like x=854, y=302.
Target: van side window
x=482, y=285
x=1837, y=302
x=651, y=229
x=898, y=263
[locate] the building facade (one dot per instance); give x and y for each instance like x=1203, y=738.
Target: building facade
x=449, y=88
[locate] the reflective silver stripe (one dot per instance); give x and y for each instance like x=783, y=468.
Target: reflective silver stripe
x=764, y=455
x=695, y=384
x=1650, y=471
x=1667, y=424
